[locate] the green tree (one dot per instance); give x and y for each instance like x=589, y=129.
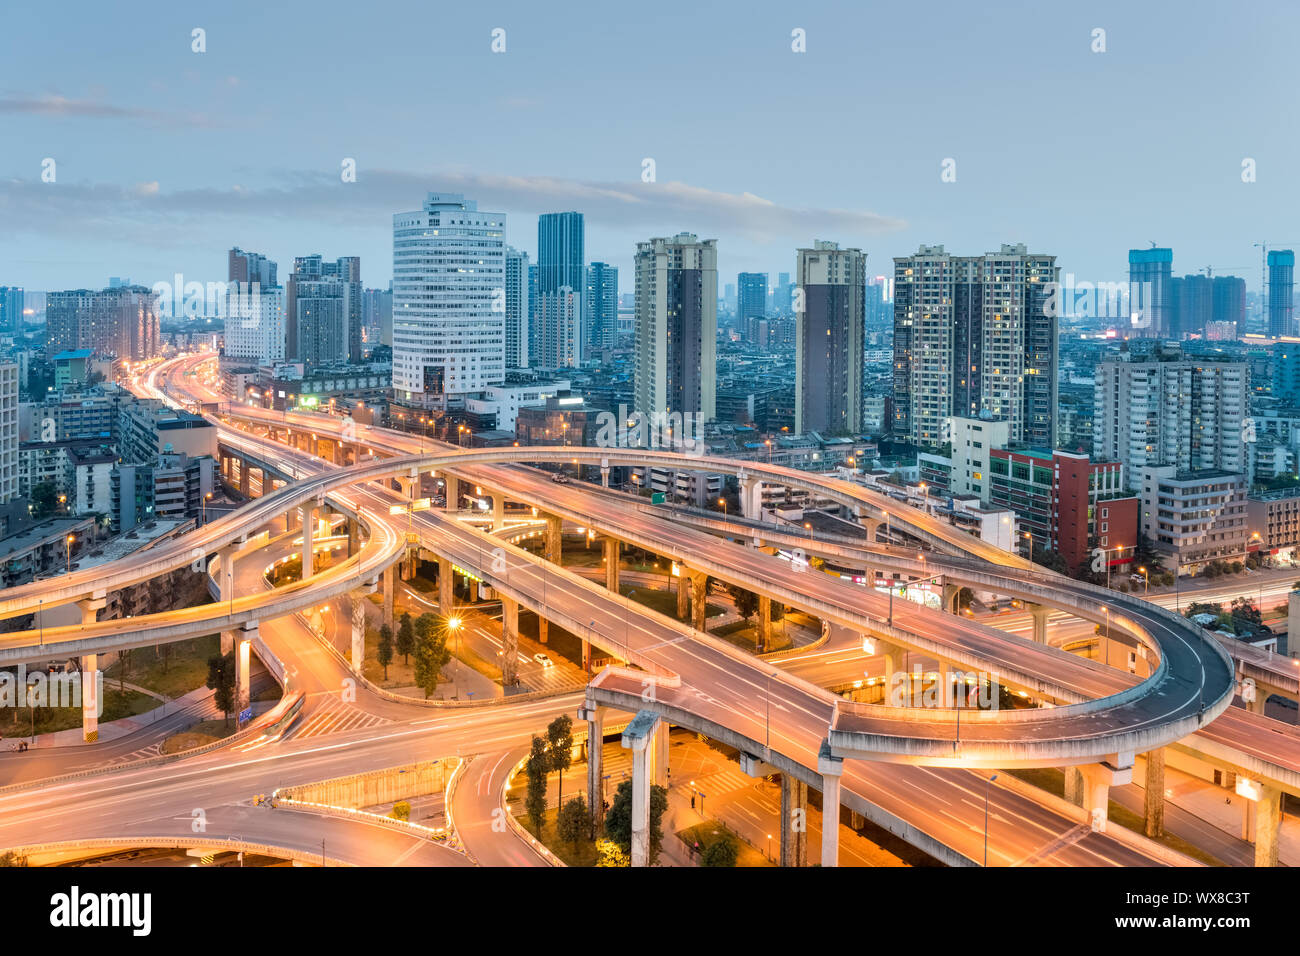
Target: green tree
x=746, y=601
x=401, y=811
x=44, y=499
x=385, y=652
x=618, y=821
x=720, y=853
x=431, y=656
x=559, y=738
x=609, y=853
x=1244, y=609
x=536, y=768
x=221, y=678
x=425, y=625
x=571, y=823
x=405, y=638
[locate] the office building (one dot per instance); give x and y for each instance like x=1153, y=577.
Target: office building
x=561, y=287
x=8, y=432
x=751, y=300
x=600, y=302
x=972, y=339
x=255, y=324
x=1194, y=516
x=517, y=308
x=121, y=322
x=831, y=324
x=676, y=326
x=12, y=301
x=323, y=311
x=1149, y=276
x=250, y=267
x=377, y=316
x=1281, y=286
x=560, y=330
x=448, y=267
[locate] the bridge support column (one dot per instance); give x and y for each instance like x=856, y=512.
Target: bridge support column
x=1268, y=823
x=872, y=525
x=358, y=631
x=354, y=535
x=1040, y=614
x=604, y=476
x=794, y=821
x=1256, y=706
x=595, y=718
x=1153, y=800
x=92, y=685
x=1097, y=779
x=498, y=511
x=764, y=623
x=243, y=478
x=446, y=586
x=949, y=599
x=543, y=630
x=554, y=539
x=683, y=593
x=1074, y=785
x=661, y=771
x=832, y=769
x=638, y=737
x=699, y=598
x=611, y=564
x=243, y=662
x=308, y=543
x=452, y=487
x=509, y=641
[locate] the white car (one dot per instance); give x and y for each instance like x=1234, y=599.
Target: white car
x=543, y=660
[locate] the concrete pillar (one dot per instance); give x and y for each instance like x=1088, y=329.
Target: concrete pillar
x=949, y=600
x=543, y=630
x=1074, y=785
x=243, y=662
x=586, y=656
x=661, y=774
x=92, y=686
x=354, y=536
x=831, y=769
x=638, y=737
x=1096, y=795
x=498, y=511
x=1256, y=706
x=510, y=641
x=446, y=586
x=308, y=530
x=764, y=623
x=604, y=477
x=554, y=539
x=389, y=586
x=699, y=598
x=794, y=821
x=453, y=493
x=611, y=564
x=751, y=500
x=1040, y=614
x=1153, y=800
x=683, y=593
x=1268, y=822
x=358, y=631
x=243, y=477
x=872, y=525
x=595, y=717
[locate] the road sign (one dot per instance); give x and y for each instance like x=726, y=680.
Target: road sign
x=657, y=498
x=246, y=714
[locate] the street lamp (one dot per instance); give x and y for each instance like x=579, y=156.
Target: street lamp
x=987, y=784
x=925, y=490
x=204, y=506
x=1030, y=536
x=1146, y=577
x=67, y=542
x=723, y=502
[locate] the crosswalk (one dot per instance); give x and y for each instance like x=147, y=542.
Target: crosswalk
x=333, y=716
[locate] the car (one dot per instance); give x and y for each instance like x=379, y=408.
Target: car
x=543, y=660
x=560, y=478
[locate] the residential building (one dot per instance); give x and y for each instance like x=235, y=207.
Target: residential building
x=518, y=311
x=1194, y=516
x=1281, y=287
x=1150, y=284
x=121, y=322
x=600, y=302
x=255, y=325
x=829, y=341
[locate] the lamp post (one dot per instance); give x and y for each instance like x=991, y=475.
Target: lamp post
x=1146, y=577
x=988, y=783
x=925, y=490
x=67, y=542
x=204, y=507
x=1030, y=536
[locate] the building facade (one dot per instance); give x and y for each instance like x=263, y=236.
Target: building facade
x=830, y=317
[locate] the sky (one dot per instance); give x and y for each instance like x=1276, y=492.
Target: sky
x=164, y=158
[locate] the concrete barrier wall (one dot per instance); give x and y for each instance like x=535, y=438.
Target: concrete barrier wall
x=377, y=786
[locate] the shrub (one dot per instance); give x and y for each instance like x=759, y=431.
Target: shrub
x=401, y=811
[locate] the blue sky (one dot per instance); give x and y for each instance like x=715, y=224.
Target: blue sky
x=166, y=157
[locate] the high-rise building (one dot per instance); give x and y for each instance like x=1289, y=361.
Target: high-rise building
x=601, y=304
x=377, y=316
x=1191, y=303
x=516, y=305
x=448, y=268
x=251, y=267
x=782, y=297
x=121, y=322
x=323, y=332
x=973, y=338
x=829, y=342
x=676, y=325
x=751, y=300
x=11, y=310
x=255, y=326
x=533, y=341
x=561, y=284
x=1229, y=301
x=1281, y=286
x=1163, y=409
x=8, y=432
x=1149, y=276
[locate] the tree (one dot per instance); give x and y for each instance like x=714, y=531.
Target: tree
x=1052, y=560
x=609, y=853
x=559, y=736
x=385, y=653
x=571, y=823
x=44, y=499
x=746, y=601
x=401, y=811
x=221, y=678
x=536, y=768
x=720, y=853
x=405, y=638
x=618, y=821
x=425, y=625
x=431, y=656
x=1244, y=609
